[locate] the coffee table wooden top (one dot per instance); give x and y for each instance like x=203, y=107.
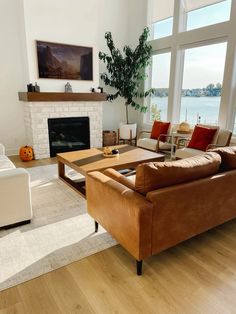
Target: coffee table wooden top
x=88, y=160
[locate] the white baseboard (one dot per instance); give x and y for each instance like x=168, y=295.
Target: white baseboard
x=12, y=151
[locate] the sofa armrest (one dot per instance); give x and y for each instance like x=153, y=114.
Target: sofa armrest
x=15, y=205
x=124, y=213
x=2, y=149
x=115, y=175
x=144, y=134
x=212, y=146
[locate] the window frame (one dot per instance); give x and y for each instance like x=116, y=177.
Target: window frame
x=148, y=85
x=183, y=39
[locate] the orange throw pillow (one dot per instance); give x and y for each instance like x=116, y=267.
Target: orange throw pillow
x=159, y=128
x=201, y=137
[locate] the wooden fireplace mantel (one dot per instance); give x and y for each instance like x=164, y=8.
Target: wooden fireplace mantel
x=49, y=96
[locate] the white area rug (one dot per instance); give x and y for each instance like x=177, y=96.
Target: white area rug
x=61, y=231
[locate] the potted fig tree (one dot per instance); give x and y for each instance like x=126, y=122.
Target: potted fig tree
x=126, y=74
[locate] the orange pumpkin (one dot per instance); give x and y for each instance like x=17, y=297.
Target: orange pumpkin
x=26, y=153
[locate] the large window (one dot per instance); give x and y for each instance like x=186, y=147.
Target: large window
x=202, y=83
x=160, y=81
x=208, y=15
x=198, y=85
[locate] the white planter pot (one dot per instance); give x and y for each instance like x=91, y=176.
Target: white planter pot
x=125, y=130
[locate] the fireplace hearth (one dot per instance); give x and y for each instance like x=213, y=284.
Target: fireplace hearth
x=68, y=134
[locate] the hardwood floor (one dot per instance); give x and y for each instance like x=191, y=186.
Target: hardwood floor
x=33, y=163
x=197, y=276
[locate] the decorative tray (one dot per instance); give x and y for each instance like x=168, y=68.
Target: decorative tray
x=110, y=155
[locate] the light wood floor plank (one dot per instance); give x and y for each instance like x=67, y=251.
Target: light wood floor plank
x=66, y=293
x=37, y=298
x=17, y=308
x=9, y=297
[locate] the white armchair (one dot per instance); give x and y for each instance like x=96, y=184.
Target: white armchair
x=146, y=142
x=221, y=139
x=15, y=196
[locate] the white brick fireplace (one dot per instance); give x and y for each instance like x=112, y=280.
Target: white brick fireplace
x=36, y=115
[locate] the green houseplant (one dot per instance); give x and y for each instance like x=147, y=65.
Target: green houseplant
x=126, y=71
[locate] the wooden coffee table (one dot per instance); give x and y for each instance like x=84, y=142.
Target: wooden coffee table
x=88, y=160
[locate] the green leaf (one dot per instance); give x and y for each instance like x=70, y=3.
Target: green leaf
x=126, y=72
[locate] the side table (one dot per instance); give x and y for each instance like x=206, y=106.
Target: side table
x=131, y=140
x=174, y=137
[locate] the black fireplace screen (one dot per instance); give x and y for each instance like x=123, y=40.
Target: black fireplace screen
x=68, y=134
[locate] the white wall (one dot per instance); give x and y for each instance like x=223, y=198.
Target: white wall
x=138, y=12
x=70, y=22
x=76, y=22
x=12, y=75
x=113, y=17
x=124, y=32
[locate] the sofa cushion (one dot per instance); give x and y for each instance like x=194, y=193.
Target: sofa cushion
x=188, y=152
x=151, y=176
x=151, y=144
x=228, y=157
x=210, y=126
x=5, y=163
x=202, y=137
x=159, y=128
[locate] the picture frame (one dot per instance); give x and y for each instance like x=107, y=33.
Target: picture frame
x=63, y=61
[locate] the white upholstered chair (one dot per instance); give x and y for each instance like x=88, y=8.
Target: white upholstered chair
x=146, y=142
x=221, y=139
x=15, y=196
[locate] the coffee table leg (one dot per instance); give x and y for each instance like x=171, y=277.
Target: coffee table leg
x=77, y=186
x=61, y=169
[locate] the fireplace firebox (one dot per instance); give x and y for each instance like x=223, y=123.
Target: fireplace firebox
x=68, y=134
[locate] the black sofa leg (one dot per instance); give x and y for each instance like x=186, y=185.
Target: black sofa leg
x=18, y=224
x=96, y=226
x=139, y=265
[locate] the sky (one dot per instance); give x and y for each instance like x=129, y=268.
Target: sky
x=203, y=65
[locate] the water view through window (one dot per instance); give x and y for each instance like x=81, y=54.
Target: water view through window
x=160, y=81
x=202, y=83
x=200, y=67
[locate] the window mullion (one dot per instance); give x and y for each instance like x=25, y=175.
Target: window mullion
x=175, y=85
x=180, y=17
x=227, y=105
x=177, y=64
x=228, y=98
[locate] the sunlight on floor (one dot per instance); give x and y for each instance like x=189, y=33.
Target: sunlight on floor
x=41, y=242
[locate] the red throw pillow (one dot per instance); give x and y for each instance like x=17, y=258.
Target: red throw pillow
x=201, y=137
x=159, y=128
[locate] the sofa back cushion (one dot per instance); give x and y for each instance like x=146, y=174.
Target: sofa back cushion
x=159, y=128
x=224, y=137
x=202, y=137
x=228, y=157
x=151, y=176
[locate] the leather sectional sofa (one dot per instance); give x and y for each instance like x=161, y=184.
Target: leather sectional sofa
x=167, y=203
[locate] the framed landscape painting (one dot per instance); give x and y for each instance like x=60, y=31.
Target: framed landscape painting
x=67, y=62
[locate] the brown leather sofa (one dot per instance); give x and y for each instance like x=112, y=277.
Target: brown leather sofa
x=168, y=202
